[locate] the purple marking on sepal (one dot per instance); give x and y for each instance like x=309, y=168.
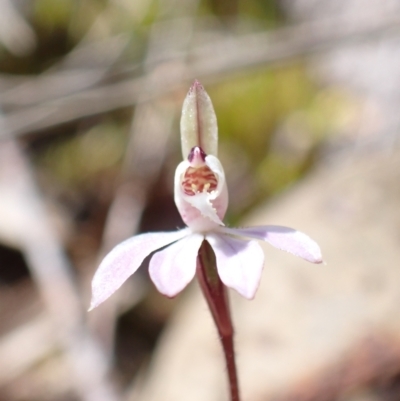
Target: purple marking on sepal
x=196, y=85
x=197, y=151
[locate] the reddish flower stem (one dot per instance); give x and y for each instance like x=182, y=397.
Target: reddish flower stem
x=217, y=299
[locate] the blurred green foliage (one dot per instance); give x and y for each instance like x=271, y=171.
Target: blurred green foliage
x=251, y=107
x=271, y=123
x=77, y=160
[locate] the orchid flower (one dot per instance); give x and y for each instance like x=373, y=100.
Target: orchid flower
x=201, y=197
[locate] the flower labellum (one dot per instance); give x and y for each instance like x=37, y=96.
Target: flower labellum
x=201, y=197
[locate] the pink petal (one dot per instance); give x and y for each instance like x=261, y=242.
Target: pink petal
x=124, y=260
x=239, y=263
x=283, y=238
x=173, y=268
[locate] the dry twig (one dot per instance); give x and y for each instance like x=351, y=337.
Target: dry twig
x=208, y=62
x=51, y=271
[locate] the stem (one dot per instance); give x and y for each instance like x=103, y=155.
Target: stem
x=215, y=293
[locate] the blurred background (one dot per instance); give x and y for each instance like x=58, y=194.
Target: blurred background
x=307, y=98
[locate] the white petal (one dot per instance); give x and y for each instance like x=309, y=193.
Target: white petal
x=202, y=203
x=125, y=259
x=173, y=268
x=239, y=263
x=284, y=238
x=198, y=122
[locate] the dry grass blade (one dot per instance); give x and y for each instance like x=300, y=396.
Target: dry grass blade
x=51, y=271
x=15, y=33
x=81, y=69
x=208, y=62
x=24, y=346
